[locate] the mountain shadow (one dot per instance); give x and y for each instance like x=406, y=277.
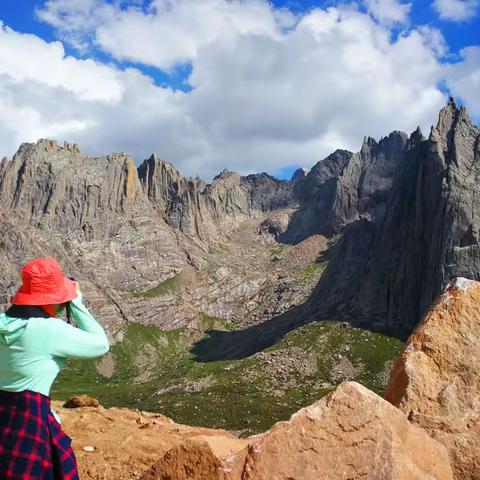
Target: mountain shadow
x=238, y=344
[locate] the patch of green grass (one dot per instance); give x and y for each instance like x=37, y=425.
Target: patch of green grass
x=214, y=323
x=312, y=271
x=155, y=370
x=372, y=353
x=219, y=247
x=163, y=288
x=279, y=250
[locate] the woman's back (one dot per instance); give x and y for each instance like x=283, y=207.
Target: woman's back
x=25, y=360
x=33, y=350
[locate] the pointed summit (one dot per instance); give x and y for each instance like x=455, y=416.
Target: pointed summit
x=447, y=117
x=225, y=173
x=451, y=120
x=450, y=116
x=368, y=144
x=300, y=173
x=416, y=137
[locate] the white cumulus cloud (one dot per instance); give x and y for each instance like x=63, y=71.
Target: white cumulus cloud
x=457, y=10
x=168, y=33
x=388, y=11
x=463, y=79
x=269, y=89
x=28, y=58
x=76, y=20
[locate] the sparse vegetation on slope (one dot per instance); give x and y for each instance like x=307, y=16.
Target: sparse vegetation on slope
x=167, y=286
x=155, y=370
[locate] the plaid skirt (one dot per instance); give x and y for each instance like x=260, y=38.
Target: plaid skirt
x=33, y=446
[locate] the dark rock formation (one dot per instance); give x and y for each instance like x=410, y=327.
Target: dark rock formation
x=300, y=173
x=347, y=186
x=388, y=268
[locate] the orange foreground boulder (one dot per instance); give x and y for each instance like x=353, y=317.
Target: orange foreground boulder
x=350, y=434
x=202, y=458
x=436, y=381
x=123, y=444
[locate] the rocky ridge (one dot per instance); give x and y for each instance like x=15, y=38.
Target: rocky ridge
x=122, y=231
x=392, y=262
x=346, y=186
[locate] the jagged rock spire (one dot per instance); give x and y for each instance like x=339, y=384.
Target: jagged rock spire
x=416, y=137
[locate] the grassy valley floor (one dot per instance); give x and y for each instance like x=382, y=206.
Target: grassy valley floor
x=155, y=370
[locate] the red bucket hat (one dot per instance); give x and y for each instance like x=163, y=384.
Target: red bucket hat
x=43, y=283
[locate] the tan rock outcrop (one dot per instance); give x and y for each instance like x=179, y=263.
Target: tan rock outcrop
x=81, y=401
x=350, y=434
x=202, y=458
x=127, y=443
x=436, y=381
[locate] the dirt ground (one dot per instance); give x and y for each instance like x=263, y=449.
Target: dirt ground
x=121, y=444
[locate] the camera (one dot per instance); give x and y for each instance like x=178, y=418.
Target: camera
x=68, y=311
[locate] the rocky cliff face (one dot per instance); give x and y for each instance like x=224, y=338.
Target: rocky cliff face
x=194, y=207
x=89, y=213
x=49, y=185
x=392, y=262
x=347, y=186
x=123, y=231
x=46, y=184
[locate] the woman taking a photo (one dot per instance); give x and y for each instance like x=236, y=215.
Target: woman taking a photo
x=33, y=347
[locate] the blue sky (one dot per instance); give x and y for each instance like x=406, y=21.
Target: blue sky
x=216, y=84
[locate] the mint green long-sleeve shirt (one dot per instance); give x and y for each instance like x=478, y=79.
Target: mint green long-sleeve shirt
x=33, y=351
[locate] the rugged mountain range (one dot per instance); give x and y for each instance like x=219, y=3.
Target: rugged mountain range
x=126, y=232
x=153, y=246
